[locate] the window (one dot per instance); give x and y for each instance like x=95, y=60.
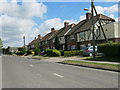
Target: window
x=72, y=37
x=54, y=40
x=45, y=42
x=73, y=47
x=82, y=36
x=32, y=46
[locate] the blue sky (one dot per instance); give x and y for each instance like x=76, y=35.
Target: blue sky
x=33, y=18
x=69, y=10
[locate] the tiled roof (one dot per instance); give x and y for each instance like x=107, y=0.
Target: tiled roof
x=49, y=36
x=88, y=22
x=65, y=29
x=34, y=41
x=76, y=27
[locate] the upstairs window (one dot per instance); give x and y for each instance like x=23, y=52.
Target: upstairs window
x=72, y=37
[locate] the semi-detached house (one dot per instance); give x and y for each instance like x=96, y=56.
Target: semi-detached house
x=76, y=36
x=82, y=32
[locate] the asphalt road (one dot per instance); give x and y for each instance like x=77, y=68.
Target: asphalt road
x=18, y=72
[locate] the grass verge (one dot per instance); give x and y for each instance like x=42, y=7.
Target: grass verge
x=93, y=64
x=39, y=57
x=99, y=58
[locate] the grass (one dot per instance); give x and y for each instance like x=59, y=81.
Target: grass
x=39, y=57
x=94, y=64
x=100, y=58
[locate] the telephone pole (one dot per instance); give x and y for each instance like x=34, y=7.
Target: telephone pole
x=92, y=7
x=24, y=41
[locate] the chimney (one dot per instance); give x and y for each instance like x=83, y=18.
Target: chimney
x=35, y=38
x=88, y=15
x=72, y=25
x=52, y=29
x=39, y=36
x=66, y=24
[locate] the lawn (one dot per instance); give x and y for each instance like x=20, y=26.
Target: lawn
x=93, y=64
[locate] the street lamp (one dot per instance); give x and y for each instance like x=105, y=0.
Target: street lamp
x=93, y=33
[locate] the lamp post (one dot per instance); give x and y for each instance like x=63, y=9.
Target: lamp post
x=93, y=33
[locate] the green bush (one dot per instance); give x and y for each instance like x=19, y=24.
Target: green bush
x=109, y=49
x=37, y=51
x=28, y=52
x=72, y=53
x=53, y=52
x=62, y=52
x=20, y=53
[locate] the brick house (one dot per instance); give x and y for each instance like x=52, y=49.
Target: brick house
x=31, y=45
x=84, y=33
x=45, y=41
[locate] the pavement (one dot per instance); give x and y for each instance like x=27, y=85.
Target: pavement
x=0, y=72
x=19, y=72
x=75, y=58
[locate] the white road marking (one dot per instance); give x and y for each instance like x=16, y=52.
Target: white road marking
x=31, y=65
x=58, y=75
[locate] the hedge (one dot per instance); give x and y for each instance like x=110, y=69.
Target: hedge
x=109, y=49
x=72, y=53
x=53, y=52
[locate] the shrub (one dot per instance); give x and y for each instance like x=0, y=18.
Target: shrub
x=53, y=52
x=37, y=51
x=72, y=53
x=28, y=52
x=109, y=49
x=20, y=53
x=62, y=52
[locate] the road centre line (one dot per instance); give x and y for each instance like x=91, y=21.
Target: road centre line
x=58, y=75
x=31, y=65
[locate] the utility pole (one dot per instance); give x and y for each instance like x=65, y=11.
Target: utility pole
x=24, y=41
x=92, y=5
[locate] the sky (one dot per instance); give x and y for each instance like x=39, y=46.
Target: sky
x=29, y=18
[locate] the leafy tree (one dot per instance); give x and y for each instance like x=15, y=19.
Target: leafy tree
x=0, y=46
x=57, y=43
x=37, y=50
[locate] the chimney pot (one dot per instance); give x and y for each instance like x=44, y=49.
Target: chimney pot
x=39, y=36
x=88, y=15
x=66, y=24
x=52, y=29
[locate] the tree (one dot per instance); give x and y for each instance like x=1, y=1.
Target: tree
x=37, y=50
x=0, y=46
x=57, y=43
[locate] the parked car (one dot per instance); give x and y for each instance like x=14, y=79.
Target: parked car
x=88, y=51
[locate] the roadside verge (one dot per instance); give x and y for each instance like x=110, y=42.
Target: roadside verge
x=103, y=66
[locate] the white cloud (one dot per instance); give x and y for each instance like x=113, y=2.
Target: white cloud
x=26, y=10
x=13, y=30
x=17, y=21
x=82, y=17
x=48, y=24
x=109, y=11
x=57, y=23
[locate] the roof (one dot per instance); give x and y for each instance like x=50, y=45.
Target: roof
x=58, y=32
x=77, y=26
x=88, y=22
x=48, y=36
x=64, y=30
x=34, y=41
